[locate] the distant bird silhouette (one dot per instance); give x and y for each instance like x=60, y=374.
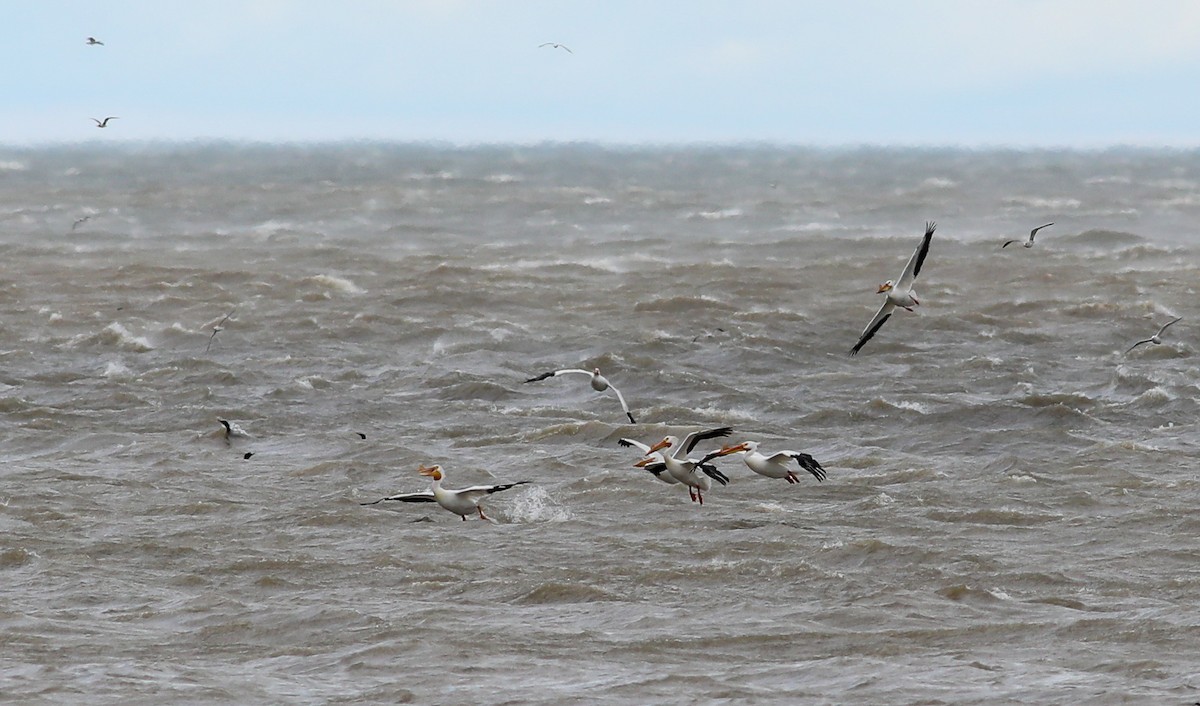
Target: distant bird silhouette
x=104, y=122
x=1028, y=243
x=80, y=221
x=93, y=41
x=361, y=435
x=218, y=327
x=556, y=45
x=1156, y=338
x=248, y=454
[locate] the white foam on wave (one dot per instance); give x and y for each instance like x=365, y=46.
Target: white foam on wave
x=536, y=505
x=718, y=215
x=116, y=369
x=340, y=284
x=117, y=334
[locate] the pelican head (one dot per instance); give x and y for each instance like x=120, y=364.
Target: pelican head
x=434, y=472
x=744, y=446
x=885, y=287
x=667, y=441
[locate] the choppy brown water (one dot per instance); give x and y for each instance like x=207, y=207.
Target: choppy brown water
x=1010, y=509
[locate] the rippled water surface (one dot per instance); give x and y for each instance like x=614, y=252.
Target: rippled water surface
x=1010, y=509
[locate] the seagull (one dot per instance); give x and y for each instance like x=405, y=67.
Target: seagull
x=599, y=384
x=899, y=293
x=773, y=465
x=461, y=502
x=219, y=327
x=656, y=465
x=93, y=41
x=682, y=468
x=556, y=45
x=233, y=431
x=80, y=221
x=104, y=122
x=1028, y=243
x=1156, y=338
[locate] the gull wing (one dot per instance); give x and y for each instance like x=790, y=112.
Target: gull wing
x=881, y=317
x=913, y=268
x=621, y=398
x=555, y=373
x=1164, y=327
x=1148, y=340
x=1035, y=230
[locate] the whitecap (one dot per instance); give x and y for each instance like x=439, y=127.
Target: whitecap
x=340, y=284
x=535, y=505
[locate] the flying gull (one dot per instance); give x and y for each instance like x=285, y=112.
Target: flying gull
x=218, y=327
x=104, y=122
x=598, y=381
x=1156, y=338
x=556, y=45
x=1028, y=243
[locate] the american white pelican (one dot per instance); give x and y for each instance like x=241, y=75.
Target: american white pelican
x=1028, y=243
x=599, y=384
x=218, y=327
x=655, y=464
x=233, y=431
x=461, y=502
x=556, y=45
x=1156, y=338
x=104, y=122
x=695, y=474
x=774, y=465
x=92, y=41
x=899, y=293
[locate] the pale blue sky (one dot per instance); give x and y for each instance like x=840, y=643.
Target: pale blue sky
x=1025, y=73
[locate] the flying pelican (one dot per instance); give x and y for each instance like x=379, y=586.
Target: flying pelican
x=104, y=122
x=93, y=41
x=218, y=327
x=774, y=465
x=684, y=469
x=461, y=502
x=655, y=464
x=1156, y=338
x=556, y=45
x=898, y=293
x=1028, y=243
x=599, y=384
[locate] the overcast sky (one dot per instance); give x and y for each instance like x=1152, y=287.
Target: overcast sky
x=980, y=73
